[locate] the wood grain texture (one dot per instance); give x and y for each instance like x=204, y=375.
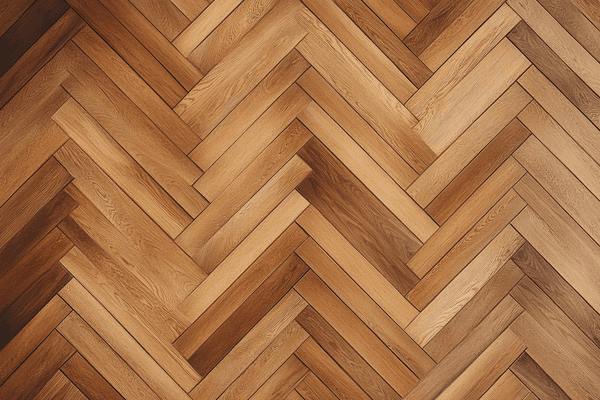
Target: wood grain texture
x=299, y=199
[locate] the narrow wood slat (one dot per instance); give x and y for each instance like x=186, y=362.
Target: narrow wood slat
x=223, y=88
x=88, y=380
x=30, y=26
x=359, y=216
x=530, y=373
x=38, y=369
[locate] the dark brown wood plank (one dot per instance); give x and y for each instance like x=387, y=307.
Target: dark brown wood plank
x=39, y=367
x=359, y=215
x=16, y=278
x=88, y=380
x=18, y=314
x=477, y=171
x=46, y=47
x=32, y=24
x=536, y=379
x=563, y=294
x=46, y=219
x=550, y=64
x=30, y=198
x=338, y=349
x=246, y=316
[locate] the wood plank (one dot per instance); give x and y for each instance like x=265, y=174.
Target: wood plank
x=224, y=241
x=326, y=369
x=344, y=354
x=278, y=320
x=357, y=267
x=564, y=186
x=11, y=11
x=17, y=278
x=282, y=381
x=129, y=218
x=88, y=380
x=228, y=33
x=108, y=363
x=244, y=186
x=357, y=128
x=37, y=369
x=328, y=15
x=311, y=388
x=576, y=23
x=486, y=229
x=125, y=122
x=136, y=89
x=384, y=38
x=27, y=29
x=59, y=387
x=577, y=125
x=115, y=336
x=366, y=94
x=203, y=24
x=466, y=217
x=116, y=287
x=365, y=308
x=467, y=351
x=130, y=49
x=359, y=216
x=243, y=256
x=461, y=106
x=476, y=13
x=223, y=88
x=27, y=340
x=555, y=139
x=252, y=142
x=478, y=171
x=29, y=302
x=464, y=59
x=462, y=289
x=164, y=15
x=121, y=167
x=449, y=164
x=551, y=65
x=31, y=198
x=266, y=365
x=442, y=15
x=538, y=381
x=160, y=47
x=256, y=306
x=554, y=285
x=474, y=311
x=567, y=370
x=559, y=41
x=507, y=385
x=208, y=323
x=358, y=335
x=488, y=367
x=393, y=15
x=367, y=171
x=552, y=232
x=249, y=110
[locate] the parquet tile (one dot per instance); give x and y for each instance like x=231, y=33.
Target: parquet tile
x=300, y=199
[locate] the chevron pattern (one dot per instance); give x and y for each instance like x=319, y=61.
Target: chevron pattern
x=300, y=199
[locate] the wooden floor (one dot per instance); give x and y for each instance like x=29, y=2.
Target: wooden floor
x=301, y=200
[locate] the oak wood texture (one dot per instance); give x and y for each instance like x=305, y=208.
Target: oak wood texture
x=299, y=199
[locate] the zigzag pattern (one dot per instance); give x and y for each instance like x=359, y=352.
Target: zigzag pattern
x=301, y=200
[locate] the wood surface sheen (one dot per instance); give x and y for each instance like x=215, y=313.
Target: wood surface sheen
x=300, y=199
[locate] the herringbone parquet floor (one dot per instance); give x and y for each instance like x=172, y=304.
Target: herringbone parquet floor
x=300, y=199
